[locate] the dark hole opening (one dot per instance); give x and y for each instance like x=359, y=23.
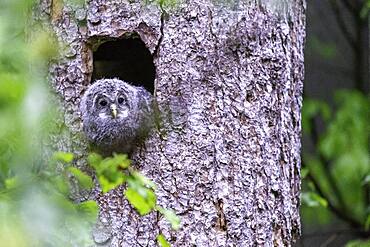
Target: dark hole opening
x=126, y=59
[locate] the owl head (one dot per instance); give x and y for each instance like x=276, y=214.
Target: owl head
x=114, y=115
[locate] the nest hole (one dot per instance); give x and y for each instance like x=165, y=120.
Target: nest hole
x=127, y=59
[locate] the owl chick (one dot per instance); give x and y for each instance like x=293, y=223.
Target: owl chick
x=116, y=116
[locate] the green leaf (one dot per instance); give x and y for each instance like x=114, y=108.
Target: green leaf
x=108, y=185
x=94, y=160
x=84, y=179
x=367, y=222
x=61, y=185
x=109, y=166
x=304, y=172
x=43, y=46
x=109, y=170
x=62, y=202
x=345, y=133
x=312, y=108
x=312, y=199
x=89, y=209
x=364, y=13
x=77, y=3
x=11, y=90
x=63, y=157
x=143, y=199
x=326, y=50
x=122, y=160
x=358, y=243
x=171, y=217
x=162, y=241
x=166, y=3
x=12, y=183
x=143, y=180
x=111, y=174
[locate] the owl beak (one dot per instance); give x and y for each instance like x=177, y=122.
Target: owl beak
x=113, y=107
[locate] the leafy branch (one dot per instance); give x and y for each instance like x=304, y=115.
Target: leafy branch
x=337, y=169
x=114, y=171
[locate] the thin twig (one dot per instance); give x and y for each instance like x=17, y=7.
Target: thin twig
x=339, y=213
x=329, y=240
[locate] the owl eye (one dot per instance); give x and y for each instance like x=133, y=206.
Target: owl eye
x=121, y=100
x=103, y=102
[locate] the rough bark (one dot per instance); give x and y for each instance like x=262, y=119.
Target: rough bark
x=228, y=84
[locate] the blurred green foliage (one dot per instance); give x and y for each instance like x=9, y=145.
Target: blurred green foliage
x=336, y=166
x=336, y=172
x=35, y=209
x=358, y=243
x=326, y=50
x=365, y=9
x=162, y=241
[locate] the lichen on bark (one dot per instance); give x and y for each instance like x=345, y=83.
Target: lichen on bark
x=228, y=84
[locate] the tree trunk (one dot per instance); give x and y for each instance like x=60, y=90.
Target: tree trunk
x=228, y=83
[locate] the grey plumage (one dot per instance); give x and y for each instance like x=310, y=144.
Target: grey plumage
x=116, y=115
